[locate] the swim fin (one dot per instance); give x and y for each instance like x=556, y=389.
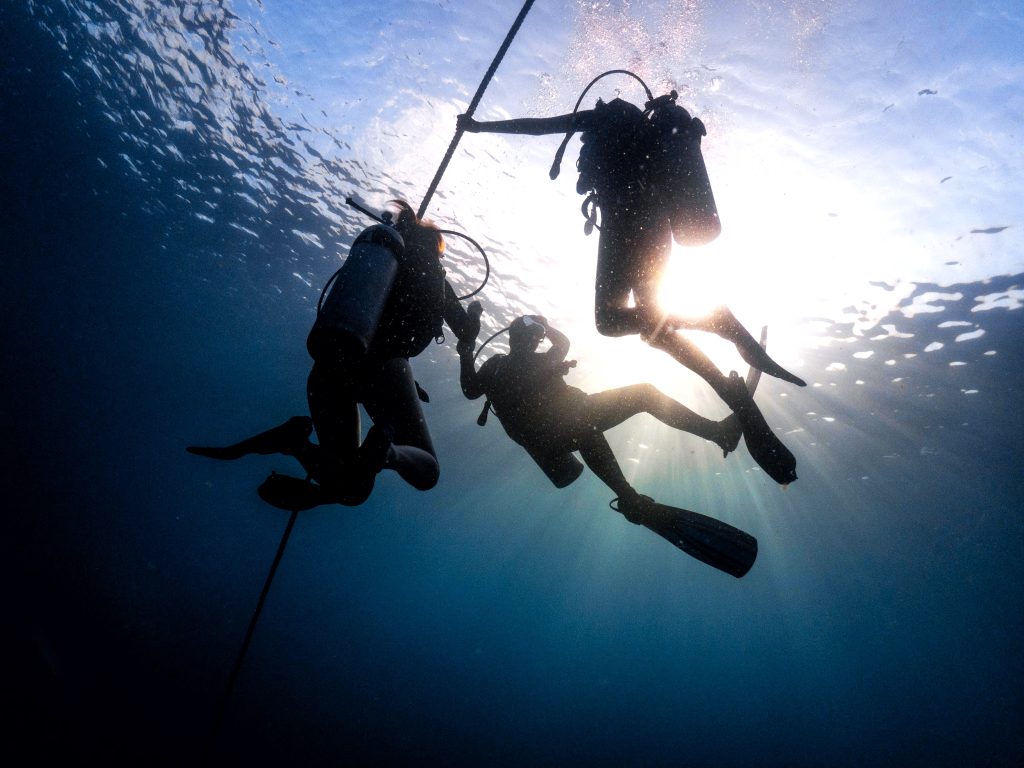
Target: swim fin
x=724, y=323
x=753, y=378
x=711, y=541
x=292, y=493
x=286, y=438
x=754, y=373
x=764, y=446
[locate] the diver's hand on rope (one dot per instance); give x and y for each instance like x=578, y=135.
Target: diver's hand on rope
x=467, y=341
x=467, y=124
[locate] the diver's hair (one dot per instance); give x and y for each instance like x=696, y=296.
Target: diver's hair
x=414, y=230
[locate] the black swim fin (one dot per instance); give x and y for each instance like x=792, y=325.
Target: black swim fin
x=764, y=446
x=753, y=378
x=754, y=373
x=286, y=438
x=711, y=541
x=292, y=494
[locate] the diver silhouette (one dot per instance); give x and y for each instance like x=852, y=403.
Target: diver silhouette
x=387, y=303
x=552, y=420
x=643, y=170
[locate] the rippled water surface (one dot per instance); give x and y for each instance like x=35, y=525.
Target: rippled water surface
x=175, y=178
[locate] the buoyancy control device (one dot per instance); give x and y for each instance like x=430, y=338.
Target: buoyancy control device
x=349, y=314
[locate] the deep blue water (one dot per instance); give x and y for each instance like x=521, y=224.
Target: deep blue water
x=152, y=302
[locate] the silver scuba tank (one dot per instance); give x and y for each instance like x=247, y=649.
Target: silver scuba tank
x=684, y=177
x=348, y=316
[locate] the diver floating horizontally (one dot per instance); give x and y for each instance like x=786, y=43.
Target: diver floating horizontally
x=386, y=304
x=552, y=420
x=644, y=171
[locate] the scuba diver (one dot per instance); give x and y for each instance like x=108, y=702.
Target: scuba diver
x=386, y=304
x=644, y=171
x=552, y=420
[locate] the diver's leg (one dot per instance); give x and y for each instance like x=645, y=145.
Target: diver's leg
x=723, y=322
x=288, y=438
x=766, y=449
x=399, y=439
x=332, y=392
x=599, y=457
x=690, y=355
x=614, y=279
x=612, y=407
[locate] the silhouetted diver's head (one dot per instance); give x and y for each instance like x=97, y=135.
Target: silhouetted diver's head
x=525, y=333
x=419, y=234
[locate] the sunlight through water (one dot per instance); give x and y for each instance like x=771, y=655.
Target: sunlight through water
x=181, y=171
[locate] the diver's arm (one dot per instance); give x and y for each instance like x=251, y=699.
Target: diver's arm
x=531, y=126
x=554, y=358
x=469, y=378
x=559, y=344
x=465, y=323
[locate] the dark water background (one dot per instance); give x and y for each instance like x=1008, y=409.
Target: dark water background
x=492, y=621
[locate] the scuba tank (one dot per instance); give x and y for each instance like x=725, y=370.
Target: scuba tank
x=651, y=158
x=348, y=316
x=681, y=174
